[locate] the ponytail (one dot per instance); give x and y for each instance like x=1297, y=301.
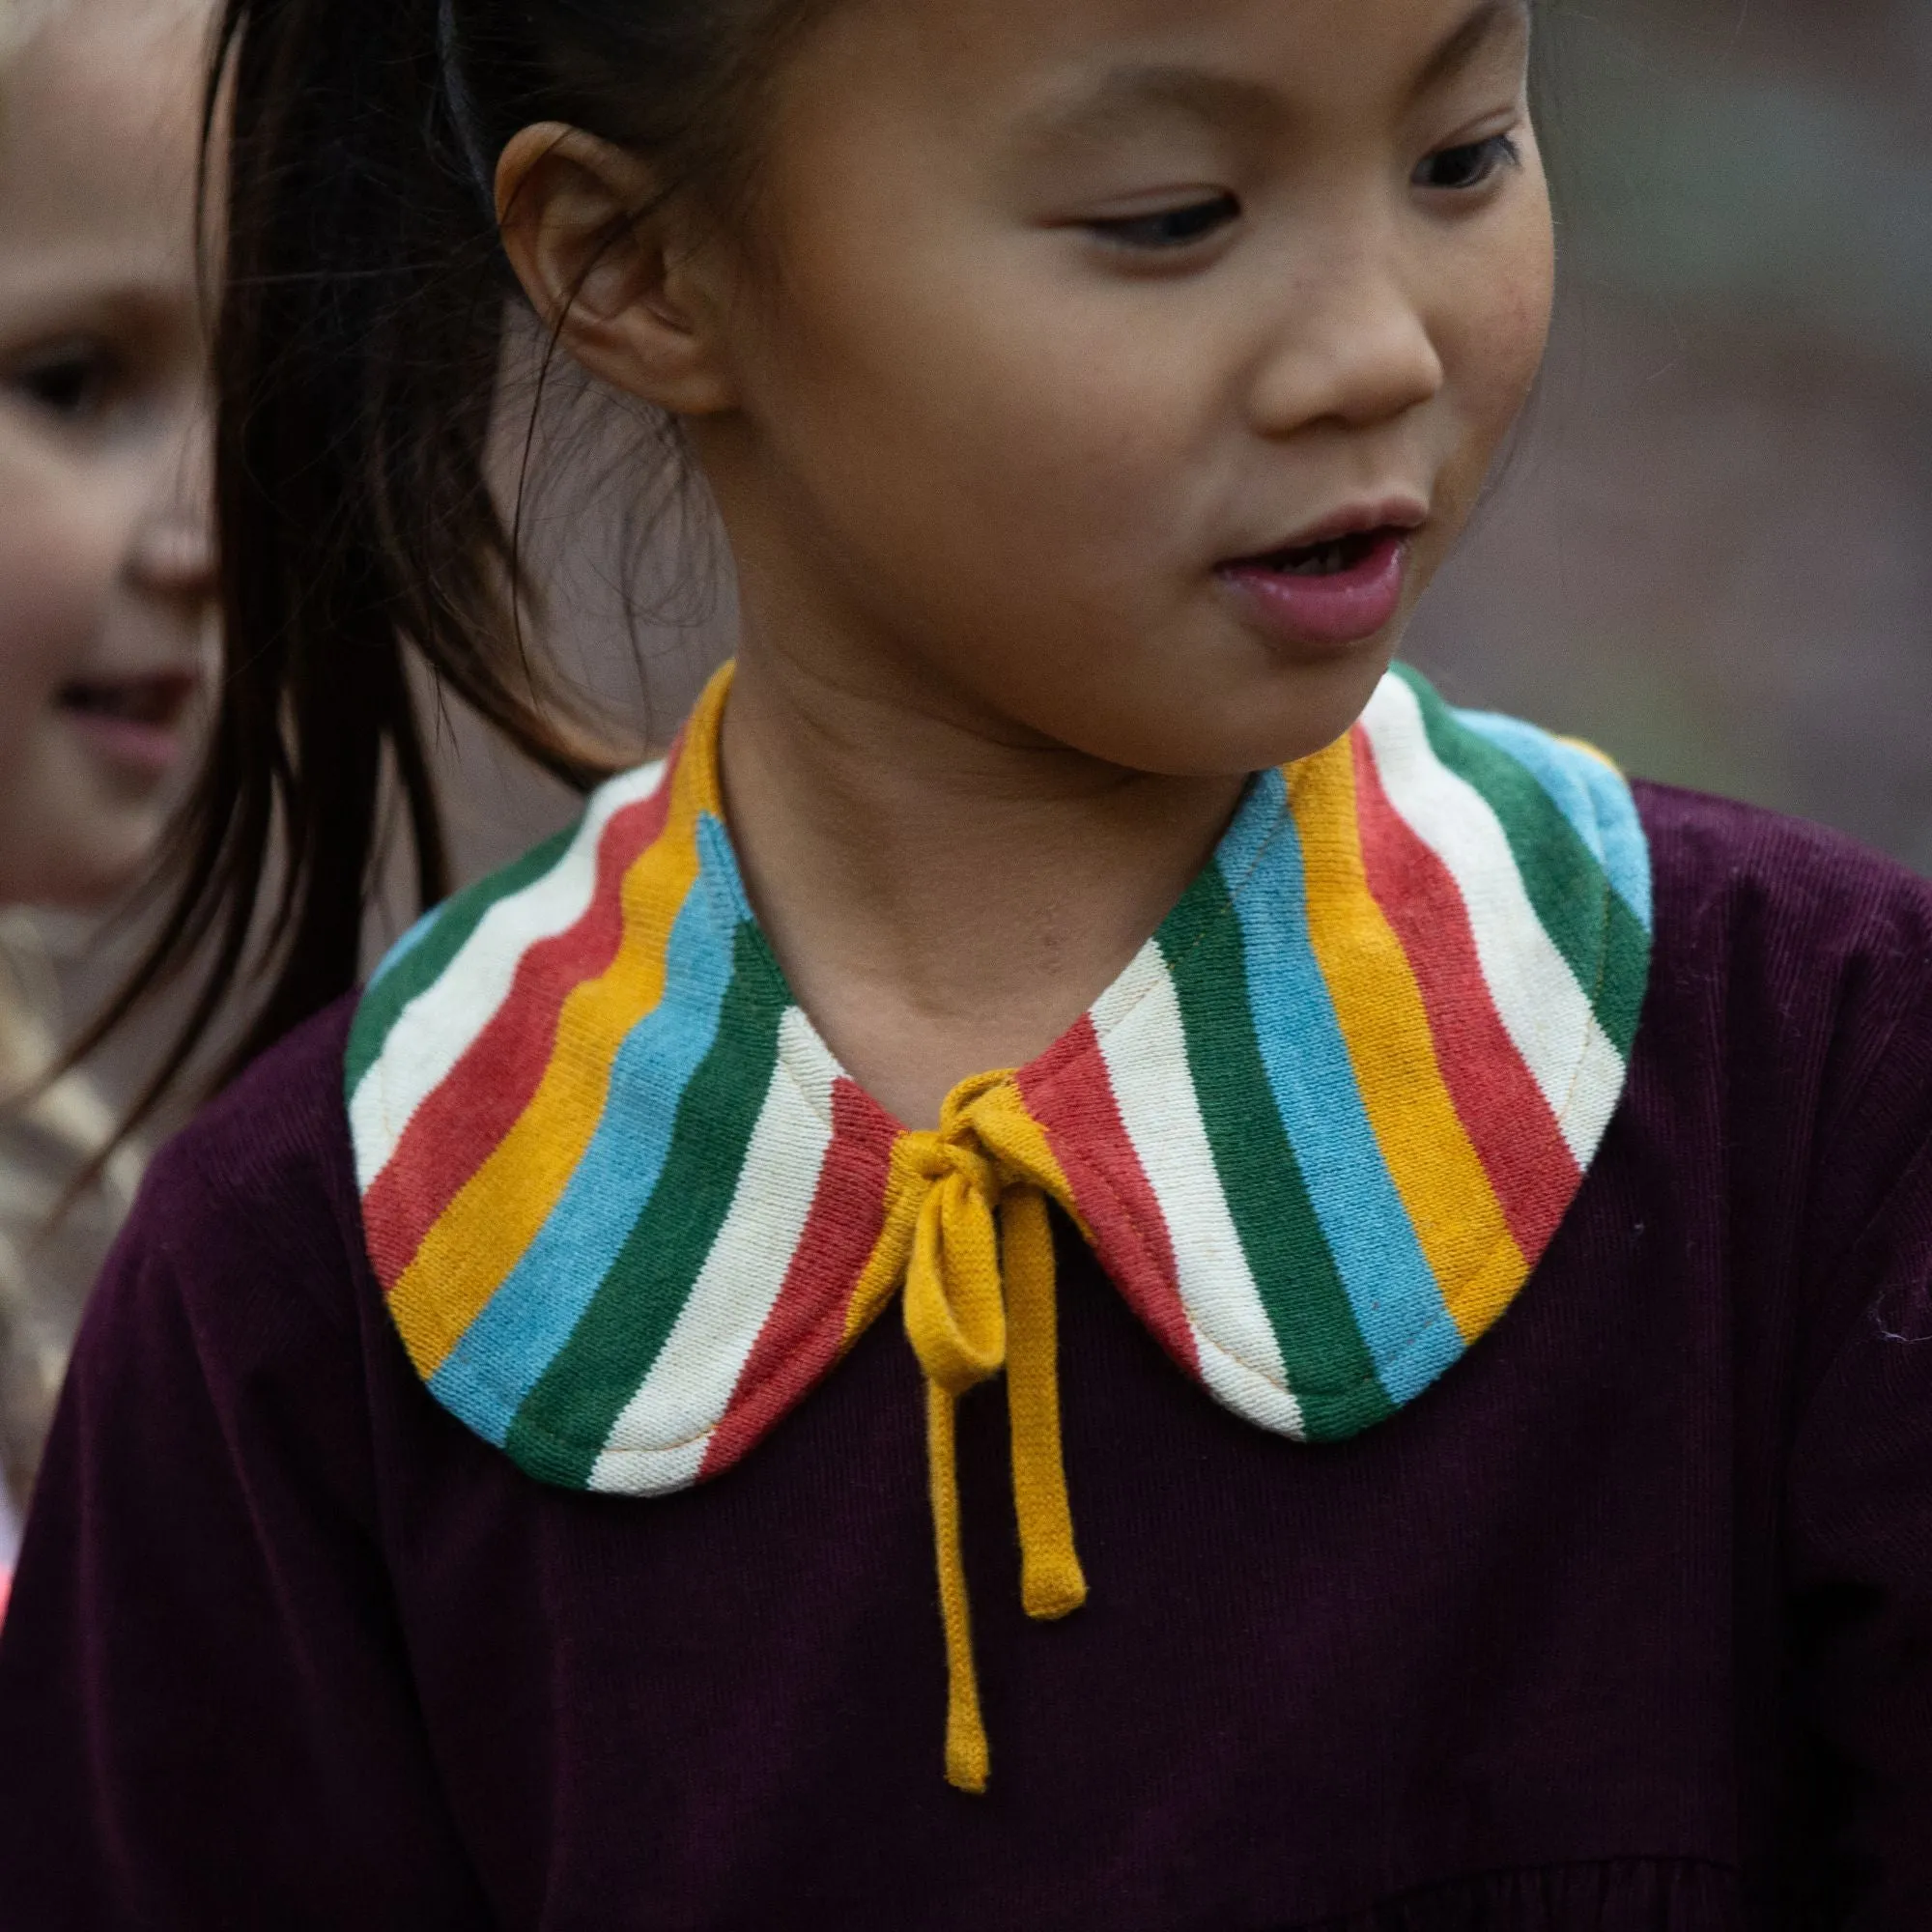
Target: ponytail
x=360, y=329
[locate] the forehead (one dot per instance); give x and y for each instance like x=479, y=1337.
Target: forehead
x=98, y=120
x=1093, y=65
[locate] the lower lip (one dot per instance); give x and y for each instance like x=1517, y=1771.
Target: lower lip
x=153, y=751
x=1346, y=609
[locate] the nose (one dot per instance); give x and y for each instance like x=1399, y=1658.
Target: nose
x=1356, y=351
x=171, y=555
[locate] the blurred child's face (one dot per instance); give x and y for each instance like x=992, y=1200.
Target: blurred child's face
x=105, y=577
x=1096, y=320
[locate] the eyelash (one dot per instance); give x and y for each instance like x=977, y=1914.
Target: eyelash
x=73, y=385
x=1168, y=230
x=1490, y=159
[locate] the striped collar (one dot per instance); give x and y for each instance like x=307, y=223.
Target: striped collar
x=628, y=1210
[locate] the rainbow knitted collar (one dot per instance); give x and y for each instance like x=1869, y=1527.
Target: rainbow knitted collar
x=628, y=1210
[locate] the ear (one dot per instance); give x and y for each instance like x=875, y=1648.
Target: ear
x=611, y=268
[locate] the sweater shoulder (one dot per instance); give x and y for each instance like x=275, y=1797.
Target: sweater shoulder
x=1758, y=891
x=260, y=1182
x=1793, y=976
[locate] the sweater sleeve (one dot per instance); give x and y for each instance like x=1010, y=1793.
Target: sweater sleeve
x=1859, y=1542
x=207, y=1716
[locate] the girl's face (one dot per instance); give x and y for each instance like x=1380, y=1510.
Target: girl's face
x=105, y=573
x=1076, y=330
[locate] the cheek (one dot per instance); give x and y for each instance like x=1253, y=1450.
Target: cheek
x=58, y=564
x=1003, y=432
x=68, y=834
x=1499, y=327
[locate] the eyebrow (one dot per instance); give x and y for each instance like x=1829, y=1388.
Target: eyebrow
x=1491, y=19
x=1125, y=93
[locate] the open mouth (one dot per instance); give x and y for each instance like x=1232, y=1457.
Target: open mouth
x=1339, y=590
x=156, y=701
x=131, y=723
x=1336, y=558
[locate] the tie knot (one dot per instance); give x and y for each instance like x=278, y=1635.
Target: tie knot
x=943, y=1156
x=957, y=1148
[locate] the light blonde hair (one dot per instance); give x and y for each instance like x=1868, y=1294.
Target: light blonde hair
x=49, y=1131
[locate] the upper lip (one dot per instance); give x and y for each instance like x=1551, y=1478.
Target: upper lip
x=1398, y=513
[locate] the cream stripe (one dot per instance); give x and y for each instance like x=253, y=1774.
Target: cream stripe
x=1145, y=1047
x=1543, y=1008
x=691, y=1383
x=1246, y=1391
x=438, y=1025
x=482, y=1233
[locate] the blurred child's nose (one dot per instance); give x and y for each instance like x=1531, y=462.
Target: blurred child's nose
x=1353, y=351
x=173, y=550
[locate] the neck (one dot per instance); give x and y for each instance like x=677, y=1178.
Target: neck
x=946, y=896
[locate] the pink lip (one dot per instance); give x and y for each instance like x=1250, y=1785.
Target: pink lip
x=135, y=723
x=1346, y=609
x=150, y=749
x=1406, y=513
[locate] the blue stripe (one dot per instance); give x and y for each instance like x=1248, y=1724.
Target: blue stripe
x=504, y=1351
x=402, y=948
x=1264, y=811
x=1593, y=798
x=1391, y=1288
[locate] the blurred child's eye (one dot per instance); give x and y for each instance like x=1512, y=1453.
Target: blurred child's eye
x=1471, y=165
x=1170, y=229
x=73, y=382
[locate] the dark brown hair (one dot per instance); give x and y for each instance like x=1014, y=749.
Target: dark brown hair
x=361, y=327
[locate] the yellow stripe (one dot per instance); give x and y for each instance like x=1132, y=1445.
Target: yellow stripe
x=479, y=1237
x=1435, y=1168
x=886, y=1265
x=1590, y=751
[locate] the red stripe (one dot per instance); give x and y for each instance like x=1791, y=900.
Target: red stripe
x=805, y=1334
x=1068, y=1092
x=1502, y=1109
x=454, y=1131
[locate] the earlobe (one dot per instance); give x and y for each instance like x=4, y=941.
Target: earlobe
x=607, y=264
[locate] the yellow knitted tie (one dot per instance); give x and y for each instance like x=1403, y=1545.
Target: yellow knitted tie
x=967, y=1322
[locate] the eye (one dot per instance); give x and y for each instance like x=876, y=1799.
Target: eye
x=73, y=382
x=1170, y=229
x=1472, y=165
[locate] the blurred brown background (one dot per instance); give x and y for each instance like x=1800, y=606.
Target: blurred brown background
x=1712, y=552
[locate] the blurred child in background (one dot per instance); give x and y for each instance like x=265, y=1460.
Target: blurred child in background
x=105, y=586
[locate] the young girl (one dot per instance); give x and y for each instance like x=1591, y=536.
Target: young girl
x=1454, y=1225
x=107, y=587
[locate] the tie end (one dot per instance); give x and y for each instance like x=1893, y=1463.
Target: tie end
x=1053, y=1589
x=967, y=1764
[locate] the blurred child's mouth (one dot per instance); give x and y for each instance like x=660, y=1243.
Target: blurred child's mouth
x=1339, y=591
x=132, y=721
x=1326, y=559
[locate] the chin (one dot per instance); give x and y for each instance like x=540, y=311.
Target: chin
x=82, y=877
x=1255, y=719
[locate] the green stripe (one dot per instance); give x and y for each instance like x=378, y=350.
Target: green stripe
x=1600, y=938
x=565, y=1420
x=429, y=959
x=1326, y=1361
